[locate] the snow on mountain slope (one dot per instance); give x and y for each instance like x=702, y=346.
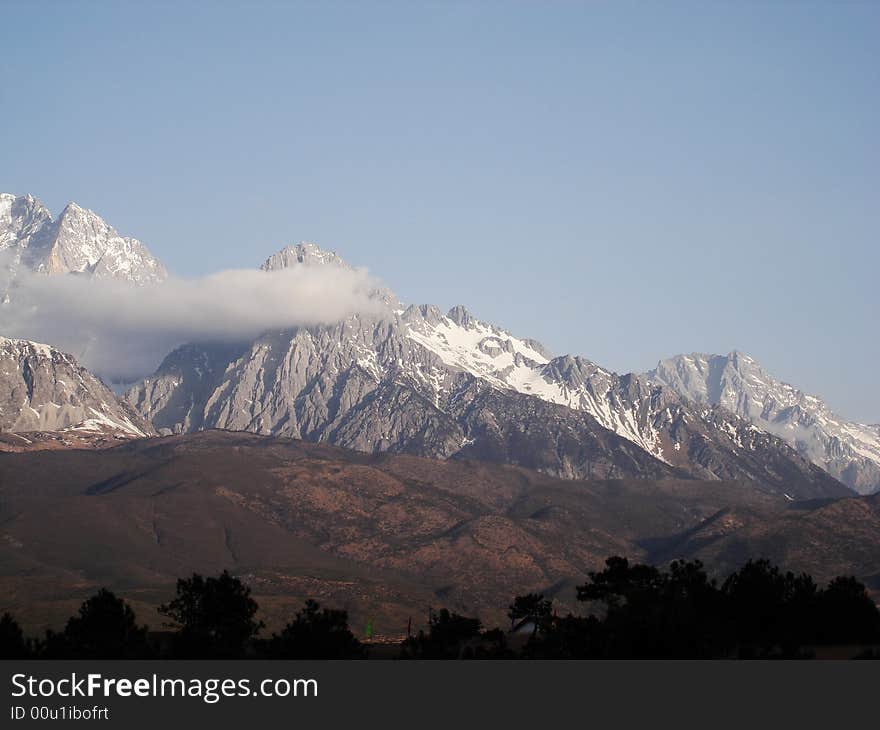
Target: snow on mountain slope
x=486, y=351
x=21, y=219
x=79, y=242
x=849, y=451
x=505, y=361
x=44, y=389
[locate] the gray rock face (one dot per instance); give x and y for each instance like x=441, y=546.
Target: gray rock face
x=415, y=380
x=849, y=451
x=79, y=242
x=302, y=254
x=303, y=384
x=43, y=389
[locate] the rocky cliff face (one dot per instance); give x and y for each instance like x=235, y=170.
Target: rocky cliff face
x=43, y=389
x=849, y=451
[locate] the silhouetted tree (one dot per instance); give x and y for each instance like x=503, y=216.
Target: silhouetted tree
x=492, y=645
x=569, y=637
x=770, y=612
x=651, y=613
x=631, y=596
x=215, y=617
x=446, y=637
x=532, y=607
x=691, y=622
x=800, y=615
x=621, y=584
x=12, y=642
x=104, y=628
x=315, y=633
x=846, y=614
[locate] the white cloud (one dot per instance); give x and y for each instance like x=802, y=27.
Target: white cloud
x=122, y=332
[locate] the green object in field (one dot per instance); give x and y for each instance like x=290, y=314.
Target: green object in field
x=369, y=632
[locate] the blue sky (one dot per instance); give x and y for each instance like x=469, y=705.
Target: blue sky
x=624, y=181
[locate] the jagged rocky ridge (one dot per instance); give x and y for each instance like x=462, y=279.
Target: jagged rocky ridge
x=849, y=451
x=418, y=381
x=44, y=389
x=78, y=242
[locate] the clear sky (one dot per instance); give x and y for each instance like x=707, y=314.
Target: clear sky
x=622, y=181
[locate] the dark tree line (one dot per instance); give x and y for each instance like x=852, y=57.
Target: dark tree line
x=630, y=611
x=757, y=612
x=209, y=618
x=641, y=611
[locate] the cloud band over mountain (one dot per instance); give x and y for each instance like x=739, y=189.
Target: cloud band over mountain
x=123, y=332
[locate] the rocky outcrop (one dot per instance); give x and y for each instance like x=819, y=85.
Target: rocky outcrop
x=44, y=389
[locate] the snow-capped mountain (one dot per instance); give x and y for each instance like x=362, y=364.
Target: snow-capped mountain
x=79, y=242
x=410, y=379
x=849, y=451
x=416, y=380
x=305, y=254
x=524, y=366
x=44, y=389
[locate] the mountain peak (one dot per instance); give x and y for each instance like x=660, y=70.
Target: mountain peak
x=74, y=207
x=79, y=241
x=9, y=344
x=460, y=315
x=428, y=313
x=21, y=205
x=304, y=253
x=737, y=382
x=738, y=358
x=85, y=221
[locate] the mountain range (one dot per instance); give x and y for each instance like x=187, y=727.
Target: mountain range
x=297, y=458
x=413, y=379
